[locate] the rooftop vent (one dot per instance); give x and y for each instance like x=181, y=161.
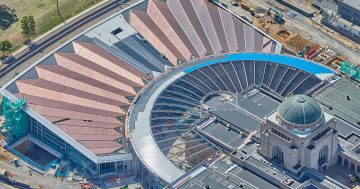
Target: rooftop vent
x=116, y=31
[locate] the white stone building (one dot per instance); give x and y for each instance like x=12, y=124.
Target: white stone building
x=300, y=134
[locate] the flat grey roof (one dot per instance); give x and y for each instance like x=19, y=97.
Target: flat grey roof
x=260, y=104
x=245, y=113
x=227, y=175
x=346, y=111
x=344, y=128
x=238, y=118
x=220, y=132
x=352, y=3
x=354, y=139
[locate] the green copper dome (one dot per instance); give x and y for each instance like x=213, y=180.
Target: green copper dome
x=300, y=109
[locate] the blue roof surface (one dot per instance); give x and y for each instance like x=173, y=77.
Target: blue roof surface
x=295, y=62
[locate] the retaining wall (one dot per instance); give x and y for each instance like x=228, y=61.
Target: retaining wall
x=292, y=6
x=341, y=31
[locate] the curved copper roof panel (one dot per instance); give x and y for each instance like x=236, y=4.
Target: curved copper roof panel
x=82, y=90
x=183, y=29
x=84, y=93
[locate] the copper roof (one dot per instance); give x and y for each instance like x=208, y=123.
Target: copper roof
x=90, y=69
x=104, y=59
x=85, y=88
x=180, y=28
x=84, y=94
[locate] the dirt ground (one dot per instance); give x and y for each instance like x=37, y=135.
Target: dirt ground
x=292, y=41
x=298, y=43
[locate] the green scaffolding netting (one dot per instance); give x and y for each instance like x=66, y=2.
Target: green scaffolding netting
x=350, y=70
x=16, y=122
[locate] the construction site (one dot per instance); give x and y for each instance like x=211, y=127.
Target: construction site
x=271, y=17
x=188, y=94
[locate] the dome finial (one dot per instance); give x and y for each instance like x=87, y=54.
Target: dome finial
x=300, y=99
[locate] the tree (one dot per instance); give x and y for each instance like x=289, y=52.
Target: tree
x=7, y=16
x=57, y=7
x=5, y=46
x=28, y=26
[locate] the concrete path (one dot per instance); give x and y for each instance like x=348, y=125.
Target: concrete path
x=21, y=174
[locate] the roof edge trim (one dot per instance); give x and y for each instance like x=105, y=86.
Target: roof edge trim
x=303, y=64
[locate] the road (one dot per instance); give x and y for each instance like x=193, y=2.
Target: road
x=28, y=56
x=5, y=186
x=312, y=33
x=300, y=25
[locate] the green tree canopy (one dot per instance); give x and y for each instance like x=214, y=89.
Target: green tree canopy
x=28, y=26
x=5, y=46
x=7, y=17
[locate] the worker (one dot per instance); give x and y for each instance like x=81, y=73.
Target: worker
x=30, y=173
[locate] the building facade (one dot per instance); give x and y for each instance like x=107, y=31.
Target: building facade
x=350, y=10
x=299, y=134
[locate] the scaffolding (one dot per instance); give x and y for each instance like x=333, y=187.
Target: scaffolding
x=16, y=123
x=350, y=70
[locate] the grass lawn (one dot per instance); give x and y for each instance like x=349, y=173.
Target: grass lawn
x=45, y=14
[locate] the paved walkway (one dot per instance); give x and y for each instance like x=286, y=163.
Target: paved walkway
x=21, y=174
x=5, y=186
